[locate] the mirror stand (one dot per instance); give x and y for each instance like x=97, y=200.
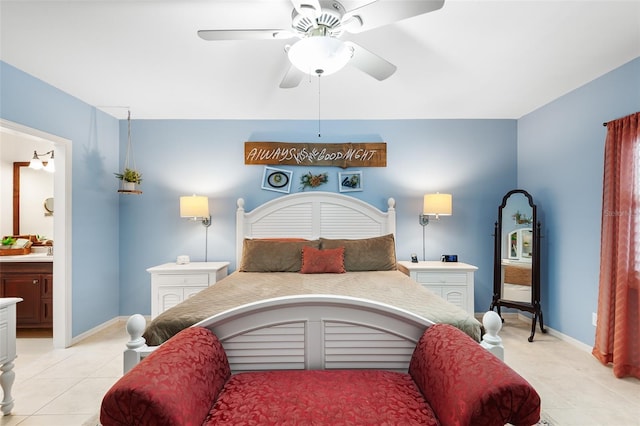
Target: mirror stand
x=516, y=269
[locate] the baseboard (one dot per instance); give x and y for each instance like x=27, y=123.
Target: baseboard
x=574, y=342
x=561, y=336
x=80, y=337
x=98, y=328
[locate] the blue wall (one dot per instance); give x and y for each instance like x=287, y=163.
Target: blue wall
x=115, y=238
x=475, y=160
x=560, y=161
x=94, y=135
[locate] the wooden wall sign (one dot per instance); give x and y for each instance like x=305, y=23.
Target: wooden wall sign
x=365, y=154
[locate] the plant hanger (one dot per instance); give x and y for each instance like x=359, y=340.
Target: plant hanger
x=130, y=176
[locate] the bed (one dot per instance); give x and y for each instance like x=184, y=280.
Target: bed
x=278, y=312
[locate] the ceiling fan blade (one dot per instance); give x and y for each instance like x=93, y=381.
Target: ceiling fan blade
x=292, y=78
x=310, y=8
x=213, y=35
x=380, y=13
x=370, y=63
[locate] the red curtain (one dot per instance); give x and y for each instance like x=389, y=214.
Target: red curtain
x=618, y=330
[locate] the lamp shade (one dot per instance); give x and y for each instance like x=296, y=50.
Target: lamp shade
x=36, y=162
x=437, y=204
x=194, y=207
x=319, y=55
x=50, y=167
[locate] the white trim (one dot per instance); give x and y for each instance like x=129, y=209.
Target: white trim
x=555, y=333
x=96, y=329
x=568, y=339
x=62, y=277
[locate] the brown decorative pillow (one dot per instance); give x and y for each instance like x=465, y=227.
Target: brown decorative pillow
x=273, y=255
x=368, y=254
x=316, y=261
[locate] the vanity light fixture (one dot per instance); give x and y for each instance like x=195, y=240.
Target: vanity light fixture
x=36, y=162
x=434, y=205
x=195, y=208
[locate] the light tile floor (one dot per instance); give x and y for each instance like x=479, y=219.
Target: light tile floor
x=64, y=387
x=574, y=387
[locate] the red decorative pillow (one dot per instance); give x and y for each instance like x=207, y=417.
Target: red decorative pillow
x=316, y=261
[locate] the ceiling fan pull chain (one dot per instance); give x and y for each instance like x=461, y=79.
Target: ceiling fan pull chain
x=319, y=104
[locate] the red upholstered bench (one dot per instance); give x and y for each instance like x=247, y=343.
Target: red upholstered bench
x=451, y=381
x=322, y=397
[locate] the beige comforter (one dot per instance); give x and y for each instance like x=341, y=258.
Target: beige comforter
x=390, y=287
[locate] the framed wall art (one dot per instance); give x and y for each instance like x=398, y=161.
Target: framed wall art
x=278, y=180
x=350, y=181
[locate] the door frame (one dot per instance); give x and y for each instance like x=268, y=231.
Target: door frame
x=62, y=277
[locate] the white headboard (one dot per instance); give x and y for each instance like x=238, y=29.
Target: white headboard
x=312, y=215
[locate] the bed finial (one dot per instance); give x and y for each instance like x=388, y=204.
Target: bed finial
x=391, y=202
x=490, y=340
x=136, y=346
x=135, y=327
x=240, y=203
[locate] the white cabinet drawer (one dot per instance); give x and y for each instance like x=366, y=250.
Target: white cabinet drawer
x=441, y=277
x=183, y=279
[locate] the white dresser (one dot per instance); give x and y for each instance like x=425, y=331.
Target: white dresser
x=172, y=283
x=453, y=281
x=7, y=349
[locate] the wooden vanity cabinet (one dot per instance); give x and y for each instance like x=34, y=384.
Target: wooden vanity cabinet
x=33, y=282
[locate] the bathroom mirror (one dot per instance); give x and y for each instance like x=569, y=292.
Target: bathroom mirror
x=48, y=206
x=31, y=215
x=516, y=269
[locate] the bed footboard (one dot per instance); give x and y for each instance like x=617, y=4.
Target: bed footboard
x=314, y=332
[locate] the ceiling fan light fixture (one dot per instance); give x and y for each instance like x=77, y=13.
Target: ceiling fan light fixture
x=320, y=55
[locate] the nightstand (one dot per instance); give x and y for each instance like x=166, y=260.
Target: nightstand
x=453, y=281
x=172, y=283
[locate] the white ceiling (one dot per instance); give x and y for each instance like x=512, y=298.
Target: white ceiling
x=471, y=59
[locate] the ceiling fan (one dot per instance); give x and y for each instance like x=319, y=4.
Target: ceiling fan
x=318, y=25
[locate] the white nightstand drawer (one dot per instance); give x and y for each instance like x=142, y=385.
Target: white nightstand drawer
x=183, y=279
x=441, y=277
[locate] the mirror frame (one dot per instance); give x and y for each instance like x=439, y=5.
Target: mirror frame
x=17, y=165
x=16, y=195
x=498, y=301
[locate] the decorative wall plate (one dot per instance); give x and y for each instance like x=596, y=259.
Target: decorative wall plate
x=278, y=180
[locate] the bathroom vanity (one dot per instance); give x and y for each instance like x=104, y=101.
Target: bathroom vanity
x=29, y=277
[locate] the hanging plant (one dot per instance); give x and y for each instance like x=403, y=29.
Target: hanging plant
x=130, y=175
x=313, y=181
